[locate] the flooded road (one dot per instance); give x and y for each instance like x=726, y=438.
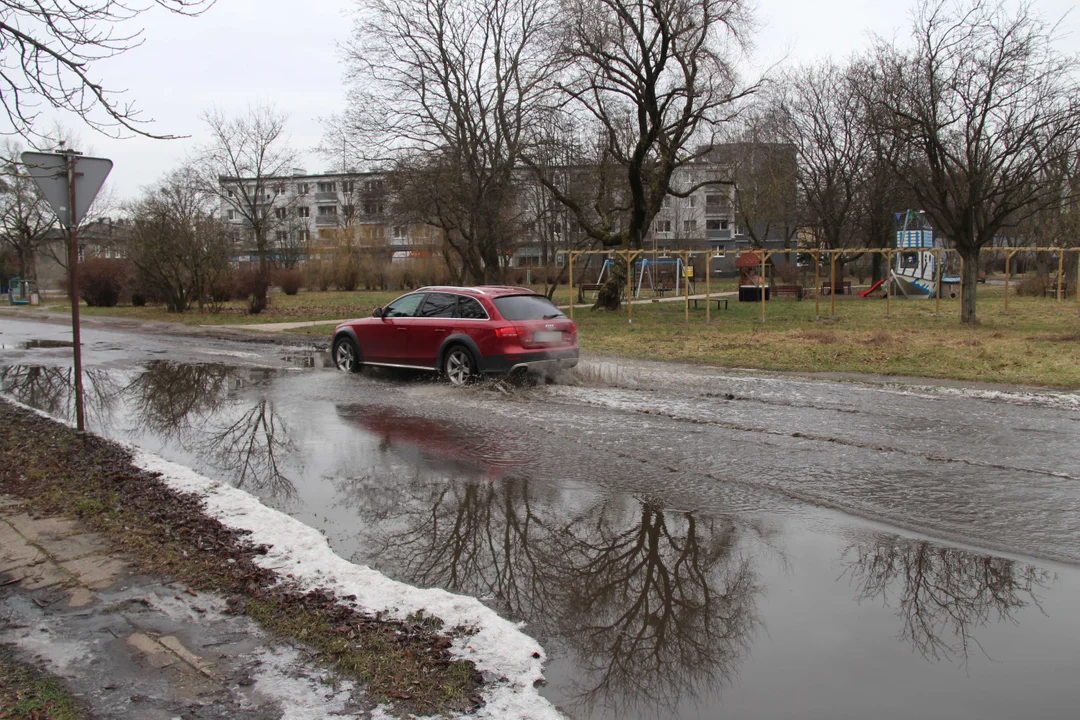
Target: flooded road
x=685, y=542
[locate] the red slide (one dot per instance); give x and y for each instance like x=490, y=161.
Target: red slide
x=878, y=284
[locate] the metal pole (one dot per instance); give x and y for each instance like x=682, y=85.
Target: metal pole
x=817, y=284
x=1008, y=262
x=1061, y=272
x=764, y=255
x=832, y=280
x=708, y=275
x=73, y=287
x=572, y=286
x=888, y=286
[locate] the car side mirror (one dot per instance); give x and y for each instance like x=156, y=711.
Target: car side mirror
x=377, y=312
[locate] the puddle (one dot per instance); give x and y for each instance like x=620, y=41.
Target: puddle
x=37, y=345
x=658, y=590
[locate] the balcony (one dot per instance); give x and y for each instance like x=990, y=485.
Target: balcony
x=326, y=220
x=326, y=197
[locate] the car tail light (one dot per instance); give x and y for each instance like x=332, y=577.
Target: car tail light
x=573, y=328
x=506, y=332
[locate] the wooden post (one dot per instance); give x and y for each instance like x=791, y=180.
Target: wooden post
x=764, y=256
x=832, y=280
x=1008, y=262
x=937, y=268
x=629, y=287
x=1061, y=272
x=572, y=298
x=686, y=287
x=708, y=275
x=888, y=285
x=817, y=284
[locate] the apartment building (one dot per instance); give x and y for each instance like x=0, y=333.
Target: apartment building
x=312, y=216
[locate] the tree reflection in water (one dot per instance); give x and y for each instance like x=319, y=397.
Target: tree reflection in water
x=52, y=390
x=942, y=595
x=655, y=606
x=194, y=404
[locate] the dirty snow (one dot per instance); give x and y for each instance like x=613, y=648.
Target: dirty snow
x=299, y=697
x=301, y=554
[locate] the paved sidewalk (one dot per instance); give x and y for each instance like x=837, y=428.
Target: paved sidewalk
x=132, y=646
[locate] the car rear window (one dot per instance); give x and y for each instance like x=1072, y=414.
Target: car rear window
x=527, y=307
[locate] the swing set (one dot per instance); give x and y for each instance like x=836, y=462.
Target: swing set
x=658, y=272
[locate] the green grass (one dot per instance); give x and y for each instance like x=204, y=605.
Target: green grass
x=1037, y=343
x=26, y=693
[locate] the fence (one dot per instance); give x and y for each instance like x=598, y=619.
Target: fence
x=940, y=254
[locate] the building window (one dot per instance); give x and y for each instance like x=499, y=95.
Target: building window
x=663, y=226
x=327, y=210
x=689, y=226
x=347, y=186
x=281, y=213
x=303, y=236
x=230, y=214
x=712, y=224
x=325, y=187
x=401, y=232
x=303, y=211
x=282, y=236
x=279, y=189
x=348, y=210
x=373, y=208
x=302, y=189
x=689, y=201
x=373, y=185
x=232, y=194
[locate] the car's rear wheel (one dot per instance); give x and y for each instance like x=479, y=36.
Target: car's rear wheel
x=459, y=367
x=346, y=355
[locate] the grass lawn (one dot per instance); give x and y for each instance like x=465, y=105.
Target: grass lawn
x=1037, y=342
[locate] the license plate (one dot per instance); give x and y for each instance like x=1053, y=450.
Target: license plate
x=547, y=337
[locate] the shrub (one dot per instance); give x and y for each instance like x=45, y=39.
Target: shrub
x=251, y=285
x=223, y=288
x=1032, y=287
x=318, y=275
x=290, y=281
x=101, y=281
x=346, y=273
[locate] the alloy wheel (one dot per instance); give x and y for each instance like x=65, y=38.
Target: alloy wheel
x=345, y=357
x=458, y=366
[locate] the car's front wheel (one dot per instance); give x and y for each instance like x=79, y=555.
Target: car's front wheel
x=458, y=365
x=346, y=355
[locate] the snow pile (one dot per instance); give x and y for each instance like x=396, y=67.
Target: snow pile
x=302, y=554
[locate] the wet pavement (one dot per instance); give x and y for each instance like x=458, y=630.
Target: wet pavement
x=685, y=542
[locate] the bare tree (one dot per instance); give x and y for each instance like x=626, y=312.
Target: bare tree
x=825, y=123
x=980, y=106
x=25, y=216
x=49, y=52
x=649, y=78
x=244, y=166
x=446, y=89
x=177, y=245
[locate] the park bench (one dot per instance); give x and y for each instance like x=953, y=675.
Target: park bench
x=842, y=288
x=1051, y=289
x=794, y=291
x=662, y=289
x=587, y=287
x=719, y=302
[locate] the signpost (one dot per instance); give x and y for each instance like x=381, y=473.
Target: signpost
x=70, y=182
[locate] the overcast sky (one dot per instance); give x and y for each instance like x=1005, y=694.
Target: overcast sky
x=285, y=52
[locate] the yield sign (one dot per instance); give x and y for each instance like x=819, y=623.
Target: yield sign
x=50, y=172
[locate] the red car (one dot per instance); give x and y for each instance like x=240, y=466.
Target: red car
x=462, y=332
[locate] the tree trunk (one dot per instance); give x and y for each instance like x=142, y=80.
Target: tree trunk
x=609, y=296
x=970, y=284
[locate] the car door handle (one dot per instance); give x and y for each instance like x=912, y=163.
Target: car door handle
x=440, y=329
x=401, y=329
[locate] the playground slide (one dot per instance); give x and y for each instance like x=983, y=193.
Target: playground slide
x=878, y=284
